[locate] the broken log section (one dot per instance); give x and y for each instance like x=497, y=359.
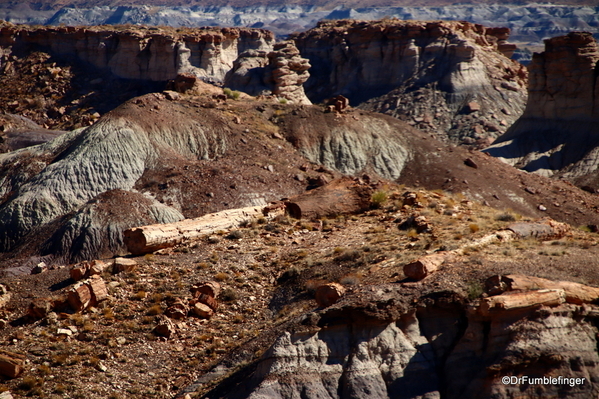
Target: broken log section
x=11, y=364
x=146, y=239
x=339, y=197
x=521, y=301
x=423, y=267
x=575, y=293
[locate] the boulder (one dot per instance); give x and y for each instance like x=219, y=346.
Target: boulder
x=329, y=294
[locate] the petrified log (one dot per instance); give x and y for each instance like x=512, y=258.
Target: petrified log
x=341, y=196
x=544, y=229
x=521, y=300
x=328, y=294
x=422, y=267
x=11, y=364
x=146, y=239
x=98, y=289
x=203, y=311
x=210, y=288
x=575, y=293
x=123, y=265
x=79, y=297
x=208, y=300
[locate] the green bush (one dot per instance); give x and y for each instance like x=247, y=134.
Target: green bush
x=378, y=199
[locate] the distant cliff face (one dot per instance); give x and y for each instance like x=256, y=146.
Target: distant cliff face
x=387, y=61
x=156, y=54
x=563, y=79
x=558, y=134
x=364, y=59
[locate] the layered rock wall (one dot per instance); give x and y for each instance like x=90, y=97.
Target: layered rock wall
x=558, y=134
x=385, y=349
x=361, y=59
x=563, y=79
x=141, y=53
x=426, y=73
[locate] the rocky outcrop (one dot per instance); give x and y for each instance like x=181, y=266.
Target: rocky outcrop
x=558, y=133
x=375, y=345
x=156, y=54
x=388, y=61
x=281, y=72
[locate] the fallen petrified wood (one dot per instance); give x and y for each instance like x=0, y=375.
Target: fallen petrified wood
x=11, y=364
x=341, y=196
x=146, y=239
x=544, y=229
x=328, y=294
x=521, y=300
x=575, y=293
x=422, y=267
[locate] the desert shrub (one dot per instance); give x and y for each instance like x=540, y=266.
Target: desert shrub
x=235, y=235
x=474, y=290
x=506, y=217
x=228, y=295
x=232, y=94
x=378, y=199
x=221, y=276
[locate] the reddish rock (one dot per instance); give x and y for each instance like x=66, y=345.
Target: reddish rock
x=328, y=294
x=208, y=300
x=98, y=289
x=79, y=297
x=210, y=288
x=11, y=364
x=165, y=327
x=178, y=310
x=202, y=311
x=40, y=307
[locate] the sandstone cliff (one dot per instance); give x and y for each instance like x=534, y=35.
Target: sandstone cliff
x=156, y=54
x=461, y=63
x=558, y=134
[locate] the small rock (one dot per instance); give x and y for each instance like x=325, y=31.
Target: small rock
x=165, y=327
x=530, y=190
x=542, y=208
x=101, y=367
x=270, y=168
x=121, y=340
x=8, y=395
x=471, y=163
x=39, y=268
x=210, y=288
x=64, y=331
x=472, y=106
